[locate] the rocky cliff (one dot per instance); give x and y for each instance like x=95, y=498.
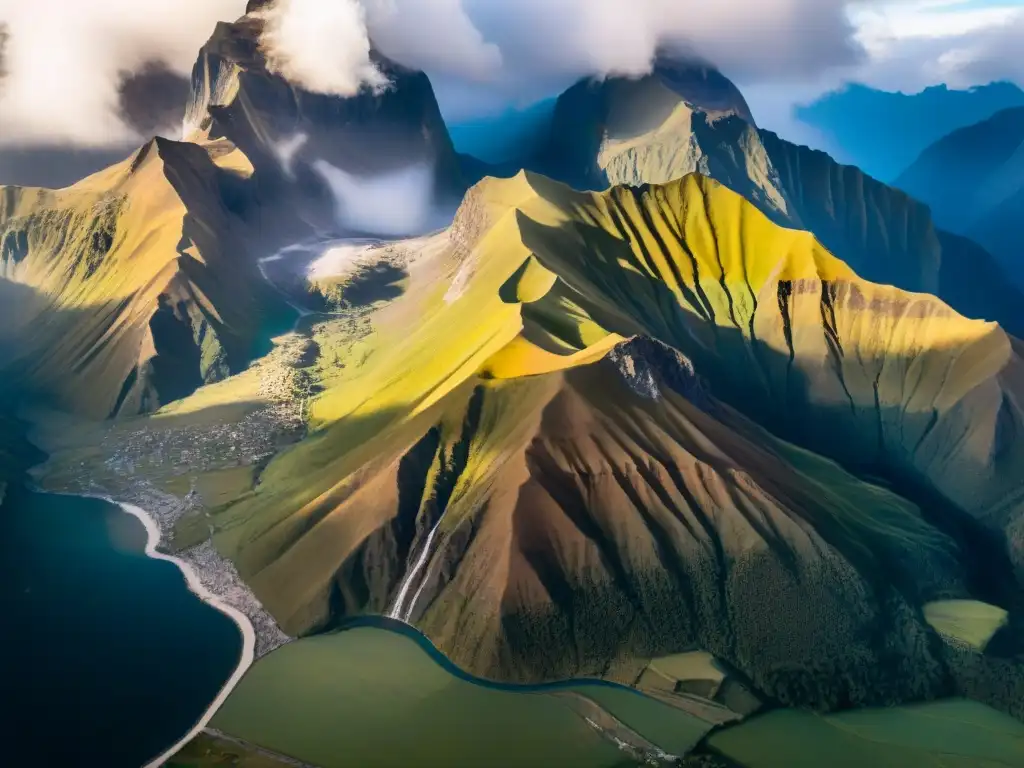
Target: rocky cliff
x=290, y=138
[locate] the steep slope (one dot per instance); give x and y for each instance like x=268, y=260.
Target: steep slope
x=637, y=131
x=889, y=237
x=539, y=479
x=298, y=144
x=883, y=132
x=679, y=119
x=131, y=288
x=973, y=181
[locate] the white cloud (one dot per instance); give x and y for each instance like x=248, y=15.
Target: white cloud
x=394, y=204
x=64, y=56
x=880, y=25
x=433, y=35
x=63, y=60
x=525, y=48
x=918, y=43
x=989, y=54
x=911, y=45
x=321, y=45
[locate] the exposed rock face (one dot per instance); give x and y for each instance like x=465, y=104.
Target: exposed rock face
x=644, y=362
x=137, y=284
x=286, y=133
x=677, y=120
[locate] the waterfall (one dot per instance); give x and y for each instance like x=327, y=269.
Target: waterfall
x=396, y=611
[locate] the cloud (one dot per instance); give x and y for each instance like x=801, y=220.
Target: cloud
x=64, y=62
x=911, y=44
x=152, y=99
x=987, y=55
x=390, y=205
x=917, y=43
x=70, y=64
x=66, y=58
x=519, y=50
x=321, y=45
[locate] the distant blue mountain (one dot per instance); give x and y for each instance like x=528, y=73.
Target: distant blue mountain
x=507, y=137
x=973, y=180
x=883, y=132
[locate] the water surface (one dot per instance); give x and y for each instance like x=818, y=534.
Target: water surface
x=106, y=656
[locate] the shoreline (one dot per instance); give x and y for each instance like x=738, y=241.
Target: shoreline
x=247, y=654
x=193, y=581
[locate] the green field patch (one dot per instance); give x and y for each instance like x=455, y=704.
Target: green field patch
x=953, y=733
x=969, y=621
x=372, y=697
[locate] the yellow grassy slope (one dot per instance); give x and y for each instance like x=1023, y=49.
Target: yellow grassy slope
x=890, y=382
x=99, y=258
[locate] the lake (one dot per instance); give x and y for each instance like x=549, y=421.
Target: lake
x=107, y=657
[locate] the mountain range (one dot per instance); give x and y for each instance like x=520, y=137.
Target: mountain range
x=973, y=181
x=883, y=132
x=663, y=382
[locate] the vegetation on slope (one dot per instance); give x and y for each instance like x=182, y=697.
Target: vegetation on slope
x=546, y=498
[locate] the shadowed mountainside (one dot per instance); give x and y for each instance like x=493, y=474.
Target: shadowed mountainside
x=143, y=287
x=883, y=132
x=284, y=137
x=889, y=237
x=973, y=181
x=537, y=478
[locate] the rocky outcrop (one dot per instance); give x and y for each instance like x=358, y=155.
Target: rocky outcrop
x=287, y=135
